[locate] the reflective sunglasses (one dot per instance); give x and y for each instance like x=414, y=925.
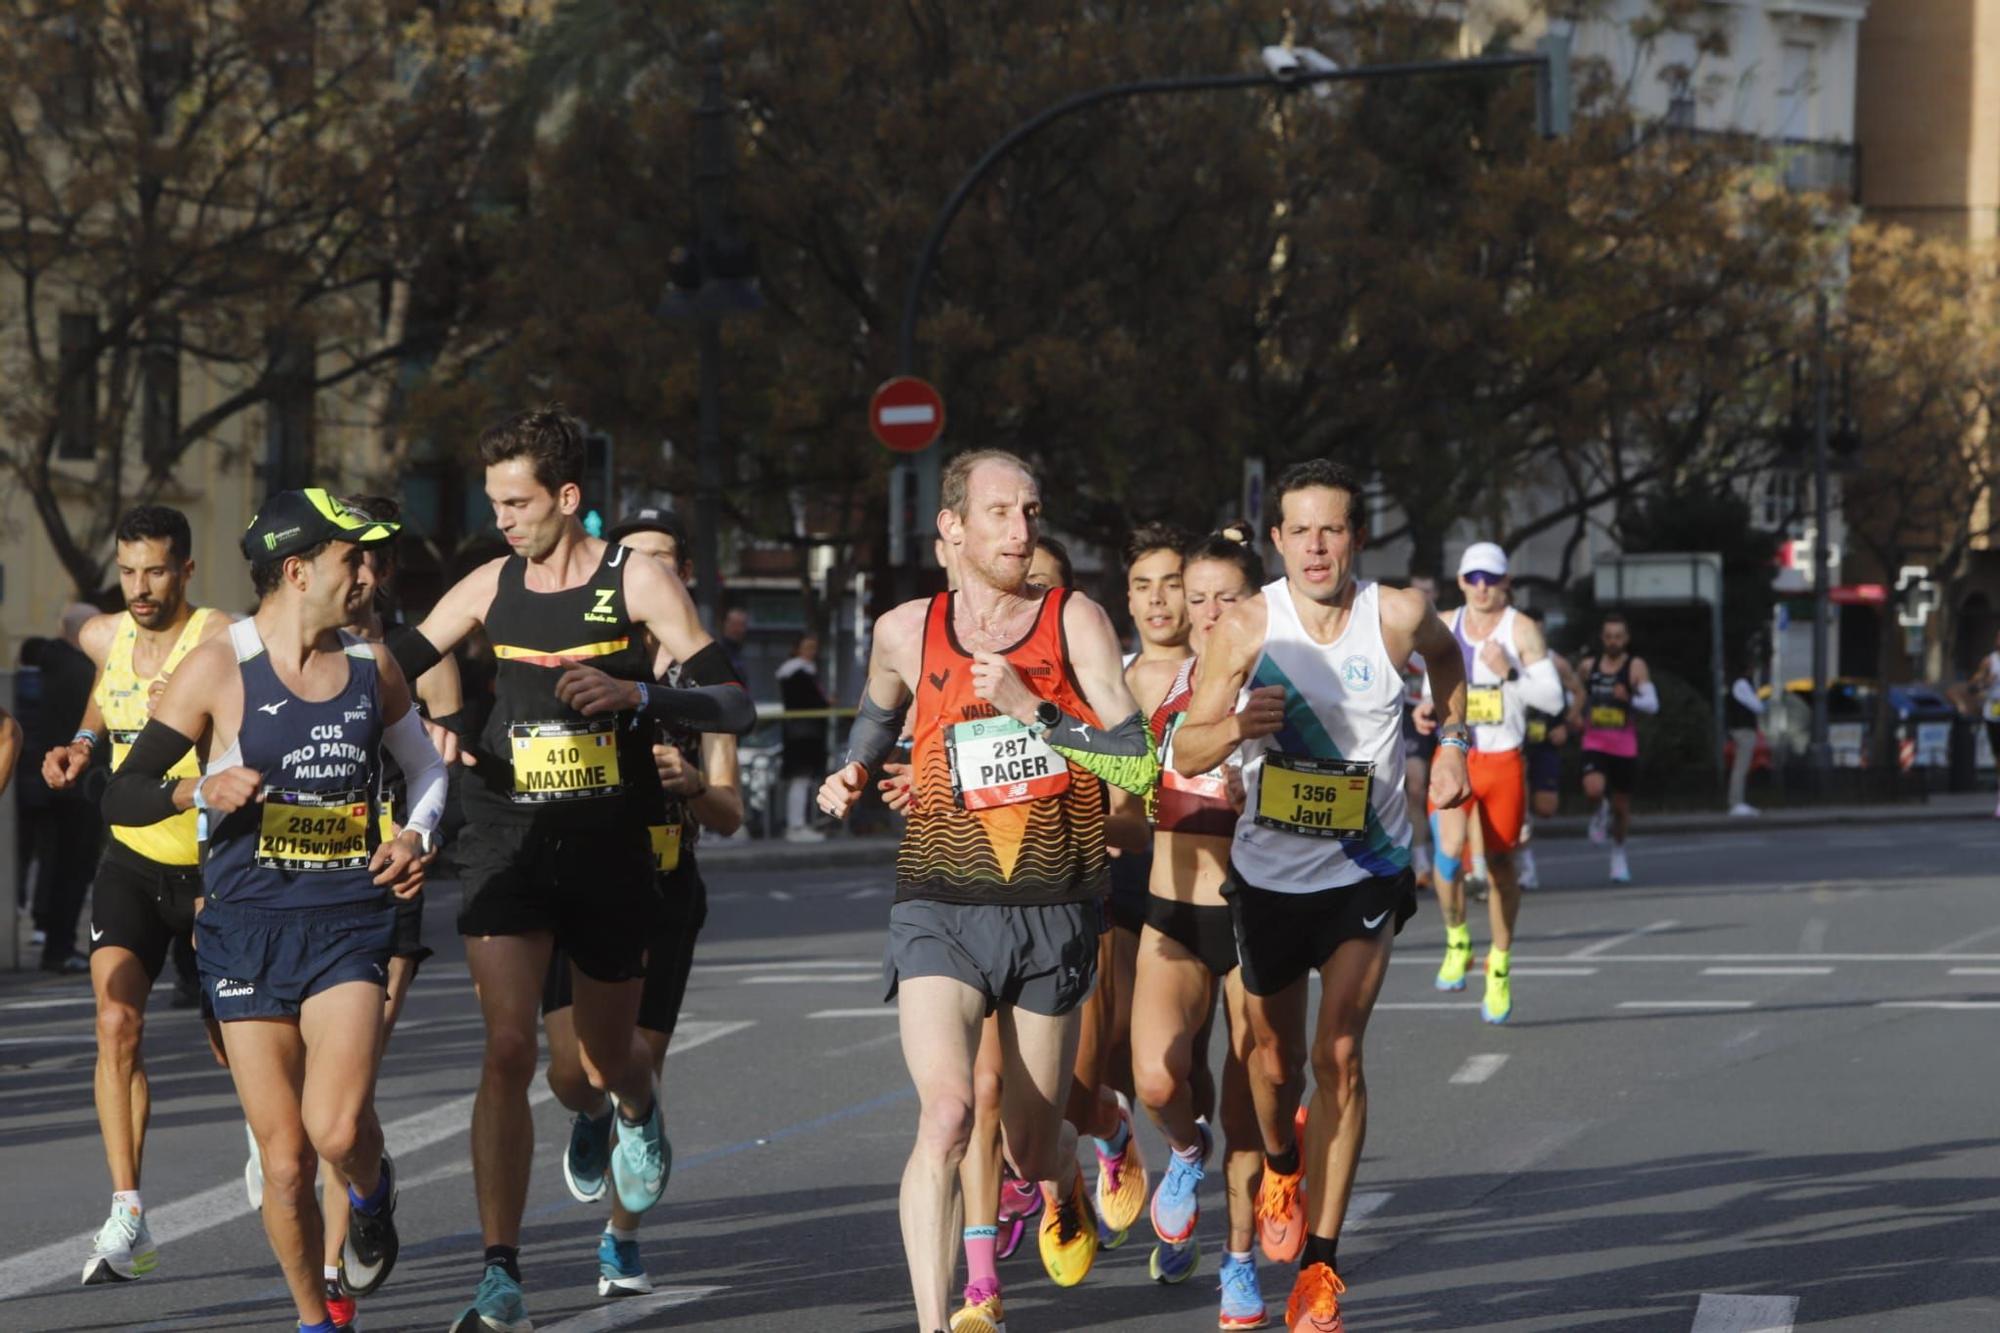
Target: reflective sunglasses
x=1479, y=578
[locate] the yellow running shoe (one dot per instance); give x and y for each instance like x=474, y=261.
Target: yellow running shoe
x=1068, y=1236
x=1498, y=1005
x=983, y=1315
x=1121, y=1179
x=1457, y=958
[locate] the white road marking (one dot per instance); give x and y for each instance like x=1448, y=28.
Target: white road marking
x=806, y=979
x=1414, y=960
x=803, y=964
x=781, y=896
x=1766, y=971
x=1971, y=939
x=1606, y=946
x=51, y=1004
x=1552, y=972
x=47, y=1265
x=1361, y=1207
x=1745, y=1314
x=71, y=1039
x=1430, y=1004
x=630, y=1310
x=1812, y=939
x=1974, y=971
x=877, y=1012
x=1938, y=1004
x=1478, y=1068
x=1687, y=1004
x=855, y=1048
x=859, y=894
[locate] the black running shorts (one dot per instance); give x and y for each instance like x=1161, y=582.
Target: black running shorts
x=669, y=955
x=1282, y=936
x=593, y=889
x=141, y=905
x=1620, y=771
x=1204, y=930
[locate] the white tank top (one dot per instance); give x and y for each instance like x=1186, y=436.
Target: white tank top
x=1512, y=728
x=1345, y=703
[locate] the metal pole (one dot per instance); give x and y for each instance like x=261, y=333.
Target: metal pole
x=711, y=176
x=1820, y=752
x=1719, y=668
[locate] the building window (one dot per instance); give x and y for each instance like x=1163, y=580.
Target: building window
x=1795, y=91
x=72, y=97
x=160, y=408
x=76, y=426
x=288, y=415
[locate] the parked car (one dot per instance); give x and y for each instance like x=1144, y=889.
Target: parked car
x=1850, y=711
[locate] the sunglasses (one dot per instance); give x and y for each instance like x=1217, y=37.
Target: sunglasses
x=1479, y=578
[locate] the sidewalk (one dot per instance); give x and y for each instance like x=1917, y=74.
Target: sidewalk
x=841, y=850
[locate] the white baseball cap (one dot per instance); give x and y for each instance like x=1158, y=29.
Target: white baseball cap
x=1483, y=558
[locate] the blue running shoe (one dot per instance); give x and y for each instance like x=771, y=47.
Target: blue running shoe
x=1176, y=1209
x=588, y=1156
x=1175, y=1263
x=619, y=1272
x=1107, y=1239
x=1242, y=1297
x=496, y=1308
x=641, y=1161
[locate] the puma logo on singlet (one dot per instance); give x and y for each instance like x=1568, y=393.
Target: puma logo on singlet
x=1043, y=669
x=602, y=613
x=938, y=678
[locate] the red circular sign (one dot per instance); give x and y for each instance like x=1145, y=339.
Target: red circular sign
x=906, y=414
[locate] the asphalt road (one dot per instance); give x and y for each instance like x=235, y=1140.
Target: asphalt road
x=1755, y=1089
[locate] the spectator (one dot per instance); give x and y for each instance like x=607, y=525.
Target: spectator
x=735, y=638
x=1745, y=711
x=805, y=738
x=65, y=832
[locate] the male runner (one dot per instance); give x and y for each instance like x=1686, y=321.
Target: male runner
x=150, y=879
x=1507, y=671
x=1548, y=733
x=1320, y=868
x=550, y=857
x=1003, y=853
x=1615, y=685
x=1186, y=955
x=697, y=790
x=297, y=924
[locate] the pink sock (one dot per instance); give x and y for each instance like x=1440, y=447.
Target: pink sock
x=981, y=1269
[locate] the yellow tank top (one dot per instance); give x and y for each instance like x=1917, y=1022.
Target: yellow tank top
x=121, y=698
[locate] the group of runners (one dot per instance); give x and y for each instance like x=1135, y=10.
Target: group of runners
x=1098, y=847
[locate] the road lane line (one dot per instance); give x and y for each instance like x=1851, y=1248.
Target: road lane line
x=71, y=1039
x=1766, y=971
x=1605, y=946
x=876, y=1012
x=799, y=964
x=1553, y=972
x=855, y=1048
x=1687, y=1004
x=806, y=979
x=1974, y=972
x=1430, y=1004
x=50, y=1004
x=1361, y=1207
x=1745, y=1314
x=1965, y=940
x=1938, y=1004
x=48, y=1265
x=1812, y=939
x=630, y=1310
x=1478, y=1068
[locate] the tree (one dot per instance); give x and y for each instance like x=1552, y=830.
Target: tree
x=263, y=197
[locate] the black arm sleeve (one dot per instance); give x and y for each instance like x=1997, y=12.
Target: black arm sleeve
x=875, y=732
x=413, y=652
x=721, y=704
x=140, y=793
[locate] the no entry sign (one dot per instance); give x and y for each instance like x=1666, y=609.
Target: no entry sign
x=906, y=414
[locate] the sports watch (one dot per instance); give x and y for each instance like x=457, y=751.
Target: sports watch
x=1048, y=716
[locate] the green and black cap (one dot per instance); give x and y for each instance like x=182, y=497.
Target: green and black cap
x=294, y=521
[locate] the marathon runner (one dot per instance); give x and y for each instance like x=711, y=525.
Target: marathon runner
x=297, y=925
x=149, y=881
x=1186, y=955
x=1507, y=671
x=1985, y=684
x=1320, y=871
x=1418, y=746
x=1003, y=855
x=1615, y=685
x=550, y=856
x=1548, y=735
x=697, y=790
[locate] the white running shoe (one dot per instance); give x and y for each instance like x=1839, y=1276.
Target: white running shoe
x=1600, y=823
x=1530, y=877
x=1420, y=862
x=253, y=1171
x=123, y=1250
x=1743, y=811
x=1621, y=873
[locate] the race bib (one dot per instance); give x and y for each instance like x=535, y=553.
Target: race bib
x=666, y=846
x=997, y=761
x=1483, y=705
x=1320, y=798
x=564, y=761
x=1993, y=710
x=304, y=831
x=1538, y=731
x=1609, y=717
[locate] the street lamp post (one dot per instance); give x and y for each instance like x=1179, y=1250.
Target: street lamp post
x=1820, y=751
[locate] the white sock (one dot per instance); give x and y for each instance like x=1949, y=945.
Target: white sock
x=128, y=1199
x=1192, y=1156
x=626, y=1234
x=332, y=1272
x=1239, y=1257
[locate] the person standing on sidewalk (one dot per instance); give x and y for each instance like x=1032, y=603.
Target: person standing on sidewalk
x=67, y=831
x=804, y=761
x=1745, y=712
x=1985, y=687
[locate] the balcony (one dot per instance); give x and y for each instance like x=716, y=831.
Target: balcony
x=1807, y=166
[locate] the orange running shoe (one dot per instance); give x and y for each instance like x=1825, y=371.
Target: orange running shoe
x=1315, y=1303
x=1068, y=1235
x=1281, y=1205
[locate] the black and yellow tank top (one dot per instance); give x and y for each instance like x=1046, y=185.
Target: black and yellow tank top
x=121, y=697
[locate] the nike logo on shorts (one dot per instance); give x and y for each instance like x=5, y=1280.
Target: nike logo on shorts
x=95, y=933
x=1370, y=922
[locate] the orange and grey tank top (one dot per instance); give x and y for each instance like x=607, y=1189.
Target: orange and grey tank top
x=122, y=697
x=996, y=815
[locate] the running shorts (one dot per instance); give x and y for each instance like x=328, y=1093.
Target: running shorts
x=265, y=962
x=141, y=905
x=669, y=956
x=594, y=889
x=1039, y=958
x=1620, y=771
x=1500, y=795
x=1282, y=936
x=1207, y=931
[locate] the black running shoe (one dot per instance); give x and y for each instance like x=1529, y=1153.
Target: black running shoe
x=370, y=1252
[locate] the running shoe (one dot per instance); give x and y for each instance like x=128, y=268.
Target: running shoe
x=619, y=1272
x=1281, y=1208
x=1202, y=1127
x=1621, y=870
x=339, y=1305
x=369, y=1254
x=982, y=1312
x=1176, y=1205
x=253, y=1171
x=1175, y=1263
x=1530, y=877
x=588, y=1155
x=123, y=1250
x=1600, y=823
x=1020, y=1204
x=1498, y=1005
x=1420, y=863
x=1315, y=1303
x=1121, y=1178
x=1068, y=1236
x=497, y=1307
x=1242, y=1295
x=1107, y=1239
x=641, y=1161
x=1457, y=958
